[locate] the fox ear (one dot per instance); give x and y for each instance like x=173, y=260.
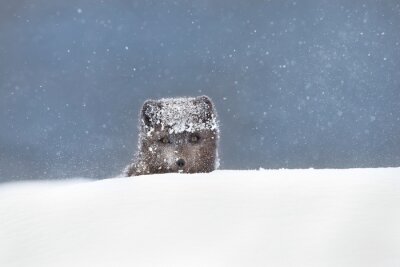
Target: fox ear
x=206, y=102
x=148, y=111
x=205, y=99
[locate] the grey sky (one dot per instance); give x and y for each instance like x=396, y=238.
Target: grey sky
x=297, y=84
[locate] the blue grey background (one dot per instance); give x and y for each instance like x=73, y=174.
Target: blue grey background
x=297, y=84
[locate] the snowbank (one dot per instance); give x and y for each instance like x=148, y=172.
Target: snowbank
x=225, y=218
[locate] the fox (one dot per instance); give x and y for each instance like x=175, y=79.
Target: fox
x=176, y=135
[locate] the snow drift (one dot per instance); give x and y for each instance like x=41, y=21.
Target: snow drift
x=225, y=218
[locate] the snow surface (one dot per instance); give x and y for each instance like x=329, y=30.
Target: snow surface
x=225, y=218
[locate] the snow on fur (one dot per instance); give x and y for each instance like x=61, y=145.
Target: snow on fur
x=180, y=115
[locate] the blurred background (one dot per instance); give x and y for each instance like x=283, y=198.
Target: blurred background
x=297, y=84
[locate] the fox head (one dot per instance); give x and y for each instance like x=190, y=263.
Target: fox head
x=178, y=135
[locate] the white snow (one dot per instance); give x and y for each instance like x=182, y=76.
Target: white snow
x=225, y=218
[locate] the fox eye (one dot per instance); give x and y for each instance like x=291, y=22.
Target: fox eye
x=164, y=140
x=194, y=138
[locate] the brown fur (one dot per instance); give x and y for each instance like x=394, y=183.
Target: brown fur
x=188, y=145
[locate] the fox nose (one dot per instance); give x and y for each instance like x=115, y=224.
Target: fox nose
x=180, y=163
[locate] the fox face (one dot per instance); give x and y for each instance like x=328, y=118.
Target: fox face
x=177, y=135
x=188, y=152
